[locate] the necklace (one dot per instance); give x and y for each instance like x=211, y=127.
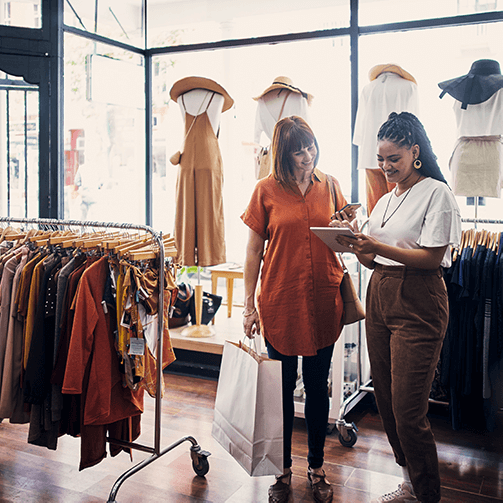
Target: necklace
x=384, y=219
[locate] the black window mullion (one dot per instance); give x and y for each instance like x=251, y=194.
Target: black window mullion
x=7, y=107
x=26, y=154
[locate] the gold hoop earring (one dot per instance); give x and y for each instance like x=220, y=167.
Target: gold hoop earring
x=418, y=164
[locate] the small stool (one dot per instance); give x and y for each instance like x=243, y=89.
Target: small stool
x=229, y=273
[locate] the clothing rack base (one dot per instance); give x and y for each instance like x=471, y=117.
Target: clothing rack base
x=199, y=457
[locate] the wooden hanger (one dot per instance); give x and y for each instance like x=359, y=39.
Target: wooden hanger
x=14, y=235
x=152, y=253
x=151, y=250
x=62, y=236
x=495, y=241
x=121, y=250
x=41, y=239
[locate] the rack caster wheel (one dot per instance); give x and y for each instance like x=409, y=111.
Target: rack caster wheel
x=347, y=433
x=351, y=441
x=200, y=462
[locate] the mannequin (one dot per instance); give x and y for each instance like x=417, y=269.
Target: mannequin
x=391, y=89
x=280, y=99
x=199, y=220
x=197, y=101
x=477, y=159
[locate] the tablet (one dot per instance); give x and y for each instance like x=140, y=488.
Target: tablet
x=329, y=234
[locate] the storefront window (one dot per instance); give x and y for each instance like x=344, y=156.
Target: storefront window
x=121, y=20
x=19, y=162
x=321, y=68
x=104, y=133
x=21, y=13
x=189, y=22
x=448, y=53
x=392, y=11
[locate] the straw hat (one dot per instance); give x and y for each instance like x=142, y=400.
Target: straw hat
x=378, y=69
x=188, y=83
x=477, y=86
x=286, y=83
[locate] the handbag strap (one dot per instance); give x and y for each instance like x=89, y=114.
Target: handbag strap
x=283, y=106
x=344, y=268
x=264, y=150
x=331, y=184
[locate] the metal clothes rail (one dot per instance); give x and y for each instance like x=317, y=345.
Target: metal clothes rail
x=481, y=221
x=199, y=457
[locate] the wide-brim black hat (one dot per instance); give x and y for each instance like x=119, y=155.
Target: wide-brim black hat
x=481, y=82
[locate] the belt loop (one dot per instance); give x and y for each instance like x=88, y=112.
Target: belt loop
x=404, y=271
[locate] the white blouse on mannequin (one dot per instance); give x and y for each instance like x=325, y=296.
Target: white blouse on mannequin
x=387, y=93
x=483, y=119
x=195, y=102
x=269, y=107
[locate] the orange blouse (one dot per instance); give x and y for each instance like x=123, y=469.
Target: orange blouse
x=299, y=300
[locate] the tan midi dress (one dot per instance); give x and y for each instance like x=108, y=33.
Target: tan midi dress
x=199, y=220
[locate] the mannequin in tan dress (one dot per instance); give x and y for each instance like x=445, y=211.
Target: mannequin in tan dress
x=199, y=221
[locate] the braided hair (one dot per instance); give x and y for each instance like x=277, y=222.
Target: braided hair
x=405, y=130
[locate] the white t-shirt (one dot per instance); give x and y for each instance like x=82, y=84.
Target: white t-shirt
x=483, y=119
x=429, y=217
x=269, y=107
x=387, y=93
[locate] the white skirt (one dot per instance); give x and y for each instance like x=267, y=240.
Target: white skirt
x=476, y=166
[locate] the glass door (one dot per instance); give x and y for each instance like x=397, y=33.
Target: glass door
x=19, y=144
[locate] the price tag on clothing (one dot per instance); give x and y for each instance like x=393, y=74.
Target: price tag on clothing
x=136, y=346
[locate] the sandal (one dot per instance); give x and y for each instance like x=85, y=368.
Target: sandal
x=322, y=490
x=279, y=492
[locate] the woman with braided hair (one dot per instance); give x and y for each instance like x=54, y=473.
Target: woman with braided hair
x=410, y=231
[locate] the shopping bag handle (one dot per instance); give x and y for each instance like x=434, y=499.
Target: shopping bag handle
x=255, y=352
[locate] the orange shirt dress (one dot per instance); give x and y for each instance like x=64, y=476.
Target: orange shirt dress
x=299, y=299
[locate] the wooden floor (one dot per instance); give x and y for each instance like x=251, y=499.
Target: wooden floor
x=471, y=464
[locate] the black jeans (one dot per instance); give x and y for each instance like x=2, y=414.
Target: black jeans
x=315, y=371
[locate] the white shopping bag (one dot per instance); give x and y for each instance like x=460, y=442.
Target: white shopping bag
x=248, y=419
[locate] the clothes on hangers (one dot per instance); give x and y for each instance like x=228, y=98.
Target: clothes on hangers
x=58, y=352
x=472, y=355
x=11, y=397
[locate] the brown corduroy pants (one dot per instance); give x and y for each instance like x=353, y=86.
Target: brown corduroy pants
x=406, y=321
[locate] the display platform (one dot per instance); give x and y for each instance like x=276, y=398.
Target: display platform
x=225, y=329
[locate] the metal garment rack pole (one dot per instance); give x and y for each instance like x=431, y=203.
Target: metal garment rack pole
x=199, y=457
x=481, y=221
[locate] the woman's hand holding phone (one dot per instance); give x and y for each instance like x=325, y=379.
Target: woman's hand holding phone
x=346, y=213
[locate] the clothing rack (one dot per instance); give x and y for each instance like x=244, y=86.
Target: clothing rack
x=199, y=457
x=368, y=387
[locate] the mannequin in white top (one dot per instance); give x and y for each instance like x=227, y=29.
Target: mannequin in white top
x=195, y=102
x=270, y=106
x=476, y=163
x=391, y=89
x=280, y=99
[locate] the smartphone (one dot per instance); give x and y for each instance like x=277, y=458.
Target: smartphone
x=353, y=206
